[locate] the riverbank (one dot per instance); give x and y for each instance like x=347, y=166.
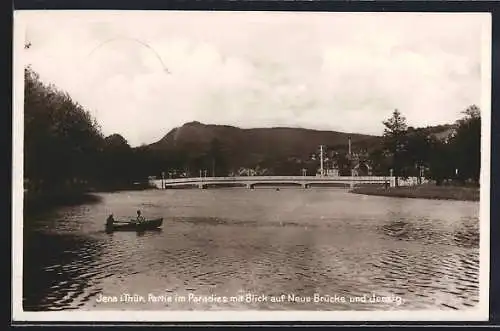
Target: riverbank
x=426, y=191
x=46, y=200
x=43, y=201
x=123, y=187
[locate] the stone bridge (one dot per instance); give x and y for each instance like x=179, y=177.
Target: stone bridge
x=251, y=181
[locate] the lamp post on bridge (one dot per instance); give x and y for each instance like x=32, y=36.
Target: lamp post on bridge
x=321, y=160
x=304, y=172
x=163, y=179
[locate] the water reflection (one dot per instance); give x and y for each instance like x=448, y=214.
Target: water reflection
x=149, y=232
x=64, y=274
x=230, y=242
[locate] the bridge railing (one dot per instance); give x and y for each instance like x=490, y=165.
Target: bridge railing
x=275, y=179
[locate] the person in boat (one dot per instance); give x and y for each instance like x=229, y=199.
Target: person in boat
x=140, y=219
x=110, y=220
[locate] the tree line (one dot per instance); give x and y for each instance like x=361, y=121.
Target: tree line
x=64, y=148
x=412, y=151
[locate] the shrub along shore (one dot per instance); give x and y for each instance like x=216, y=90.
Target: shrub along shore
x=46, y=200
x=426, y=191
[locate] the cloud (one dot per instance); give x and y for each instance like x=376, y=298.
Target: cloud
x=319, y=70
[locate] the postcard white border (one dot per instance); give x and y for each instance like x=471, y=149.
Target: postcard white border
x=480, y=313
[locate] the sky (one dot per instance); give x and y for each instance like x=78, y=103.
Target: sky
x=142, y=74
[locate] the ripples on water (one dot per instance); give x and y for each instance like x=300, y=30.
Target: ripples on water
x=234, y=241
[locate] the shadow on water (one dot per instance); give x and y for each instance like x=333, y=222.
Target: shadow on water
x=36, y=203
x=149, y=232
x=63, y=277
x=139, y=233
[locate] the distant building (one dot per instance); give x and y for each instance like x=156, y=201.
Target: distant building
x=257, y=171
x=332, y=172
x=246, y=172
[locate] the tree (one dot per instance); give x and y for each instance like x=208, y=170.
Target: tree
x=466, y=145
x=394, y=140
x=440, y=161
x=459, y=156
x=61, y=141
x=117, y=164
x=418, y=150
x=379, y=162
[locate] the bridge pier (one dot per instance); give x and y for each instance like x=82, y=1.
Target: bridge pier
x=202, y=186
x=249, y=185
x=305, y=185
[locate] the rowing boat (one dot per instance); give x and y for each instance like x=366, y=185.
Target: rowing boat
x=133, y=226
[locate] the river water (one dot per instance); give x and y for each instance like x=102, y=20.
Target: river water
x=246, y=249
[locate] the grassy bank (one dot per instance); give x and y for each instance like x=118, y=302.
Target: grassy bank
x=426, y=191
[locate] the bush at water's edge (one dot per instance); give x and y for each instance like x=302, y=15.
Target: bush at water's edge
x=423, y=192
x=43, y=201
